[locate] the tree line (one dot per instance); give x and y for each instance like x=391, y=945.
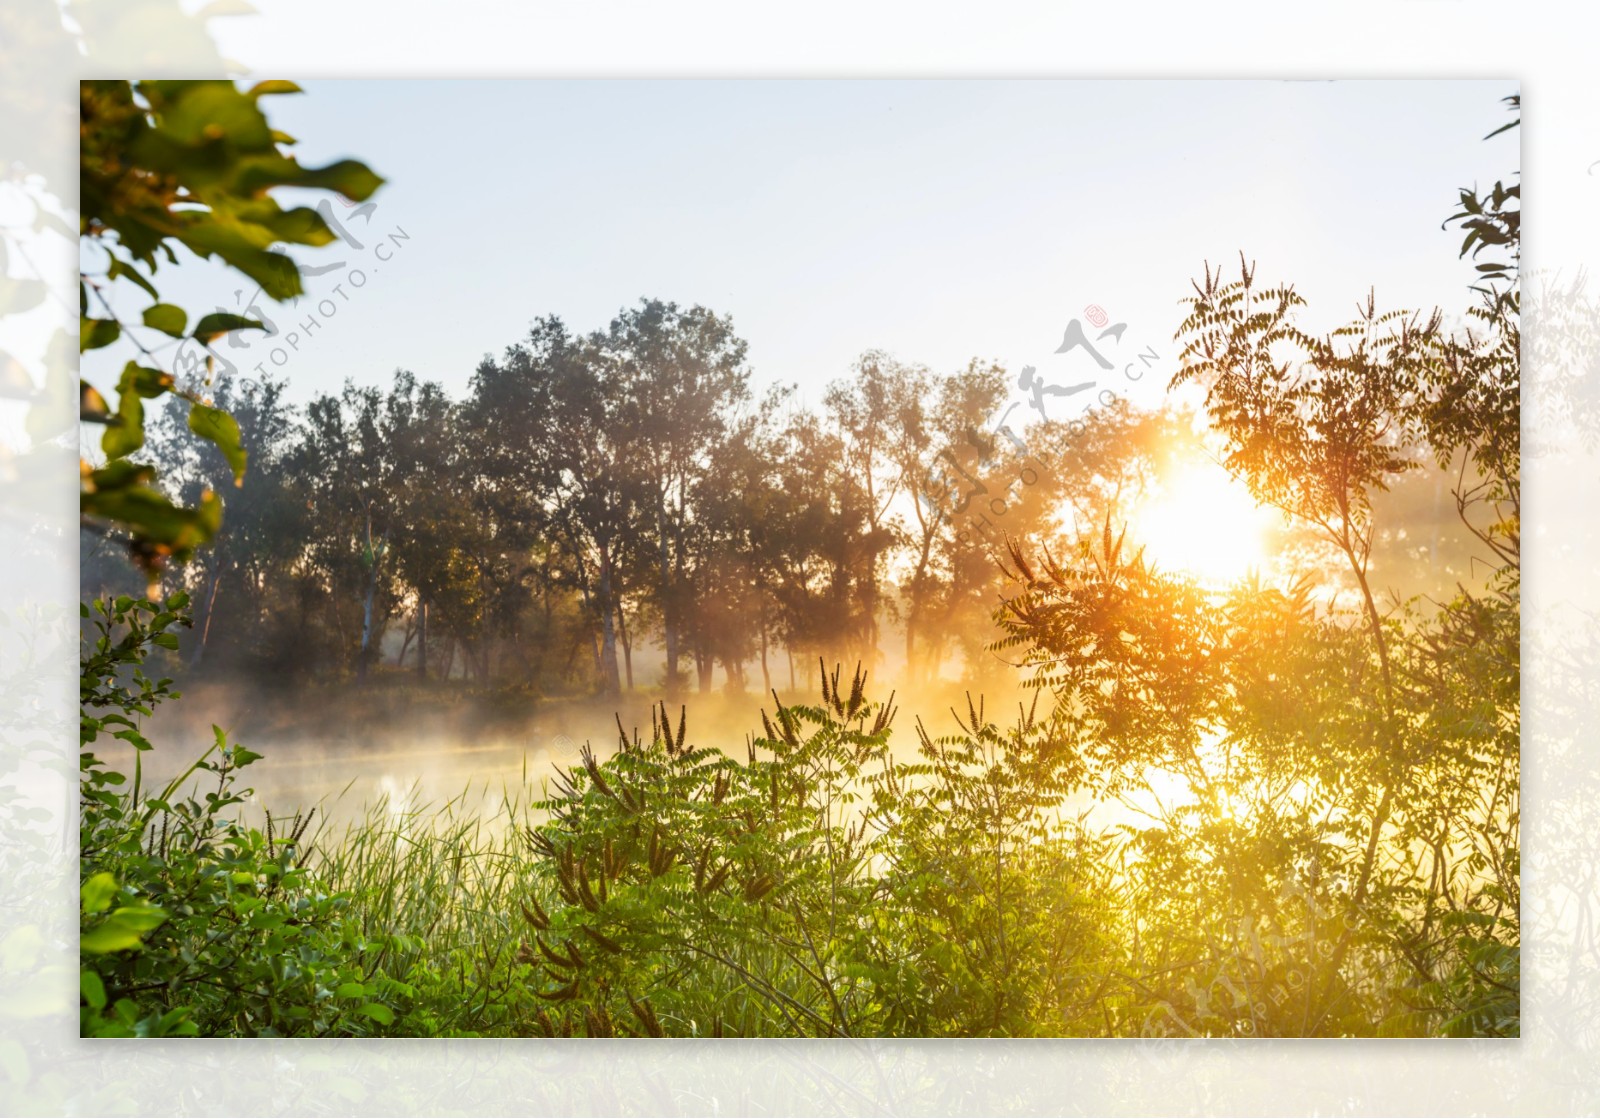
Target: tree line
x=594, y=495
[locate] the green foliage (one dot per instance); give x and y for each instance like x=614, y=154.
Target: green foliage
x=164, y=164
x=679, y=872
x=192, y=922
x=1333, y=802
x=816, y=888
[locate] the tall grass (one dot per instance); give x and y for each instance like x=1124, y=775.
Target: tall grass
x=438, y=892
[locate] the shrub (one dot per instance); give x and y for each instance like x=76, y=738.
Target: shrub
x=192, y=922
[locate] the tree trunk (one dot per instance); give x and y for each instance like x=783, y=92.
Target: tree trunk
x=911, y=643
x=405, y=644
x=205, y=628
x=766, y=675
x=610, y=675
x=627, y=645
x=669, y=601
x=422, y=638
x=545, y=638
x=366, y=625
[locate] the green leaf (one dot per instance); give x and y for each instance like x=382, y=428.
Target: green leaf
x=125, y=928
x=206, y=112
x=92, y=989
x=223, y=430
x=92, y=407
x=95, y=895
x=351, y=991
x=273, y=87
x=378, y=1013
x=351, y=178
x=14, y=1061
x=124, y=433
x=166, y=318
x=124, y=271
x=244, y=246
x=119, y=475
x=220, y=322
x=165, y=529
x=95, y=333
x=148, y=383
x=18, y=294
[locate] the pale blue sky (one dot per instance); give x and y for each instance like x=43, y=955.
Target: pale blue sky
x=937, y=220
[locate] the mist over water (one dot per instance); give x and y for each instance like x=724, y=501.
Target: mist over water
x=345, y=750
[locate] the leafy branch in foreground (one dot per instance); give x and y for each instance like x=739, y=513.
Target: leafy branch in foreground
x=192, y=164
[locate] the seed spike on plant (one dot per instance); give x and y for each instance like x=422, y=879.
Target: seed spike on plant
x=558, y=959
x=858, y=687
x=534, y=913
x=886, y=714
x=602, y=939
x=647, y=1016
x=562, y=994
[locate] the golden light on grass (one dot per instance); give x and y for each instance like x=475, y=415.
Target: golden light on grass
x=1204, y=524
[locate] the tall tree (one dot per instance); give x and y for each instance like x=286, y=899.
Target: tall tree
x=862, y=408
x=680, y=379
x=556, y=399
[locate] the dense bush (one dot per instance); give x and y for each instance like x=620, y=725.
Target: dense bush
x=192, y=922
x=815, y=886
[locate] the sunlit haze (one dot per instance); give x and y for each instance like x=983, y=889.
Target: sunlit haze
x=1204, y=524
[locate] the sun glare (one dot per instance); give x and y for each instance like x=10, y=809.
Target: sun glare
x=1204, y=524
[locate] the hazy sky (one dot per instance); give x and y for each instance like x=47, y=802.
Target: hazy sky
x=937, y=220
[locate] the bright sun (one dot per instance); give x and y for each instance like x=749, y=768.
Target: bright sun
x=1203, y=523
